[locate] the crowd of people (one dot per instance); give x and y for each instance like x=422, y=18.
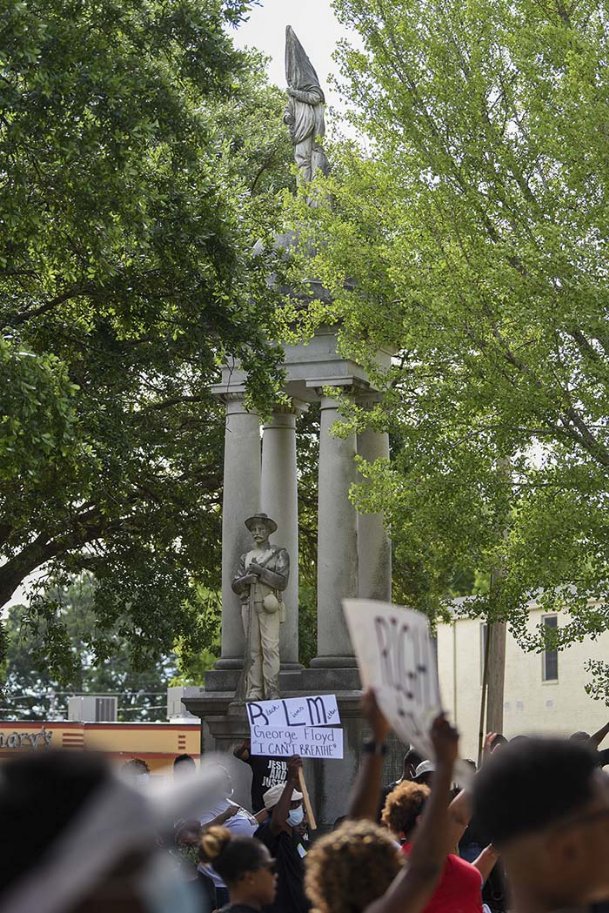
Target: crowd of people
x=529, y=834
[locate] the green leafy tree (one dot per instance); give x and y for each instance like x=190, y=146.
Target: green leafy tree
x=142, y=162
x=65, y=651
x=470, y=239
x=196, y=655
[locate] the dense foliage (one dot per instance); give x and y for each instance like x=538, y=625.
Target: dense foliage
x=141, y=162
x=469, y=238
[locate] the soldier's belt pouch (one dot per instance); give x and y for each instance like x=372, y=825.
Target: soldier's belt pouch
x=270, y=604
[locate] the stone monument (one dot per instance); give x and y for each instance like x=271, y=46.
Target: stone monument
x=262, y=577
x=260, y=477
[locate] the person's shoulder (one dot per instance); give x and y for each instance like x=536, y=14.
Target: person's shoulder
x=269, y=837
x=458, y=862
x=461, y=868
x=263, y=831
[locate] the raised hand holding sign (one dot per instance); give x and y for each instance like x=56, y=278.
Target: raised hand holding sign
x=396, y=657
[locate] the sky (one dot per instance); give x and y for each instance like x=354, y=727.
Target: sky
x=316, y=27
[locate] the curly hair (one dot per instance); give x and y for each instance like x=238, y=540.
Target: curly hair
x=351, y=867
x=403, y=806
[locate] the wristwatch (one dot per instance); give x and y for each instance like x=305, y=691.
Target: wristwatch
x=372, y=747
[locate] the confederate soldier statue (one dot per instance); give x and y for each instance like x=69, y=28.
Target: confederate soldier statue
x=260, y=581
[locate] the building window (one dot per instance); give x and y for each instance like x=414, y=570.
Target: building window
x=550, y=657
x=483, y=639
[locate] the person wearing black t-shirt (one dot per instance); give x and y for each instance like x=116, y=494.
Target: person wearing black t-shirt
x=266, y=772
x=279, y=833
x=245, y=865
x=412, y=759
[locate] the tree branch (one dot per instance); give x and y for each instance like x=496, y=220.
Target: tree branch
x=24, y=316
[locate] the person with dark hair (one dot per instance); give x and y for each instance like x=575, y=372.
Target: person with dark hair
x=403, y=808
x=135, y=769
x=280, y=834
x=460, y=887
x=545, y=806
x=358, y=868
x=411, y=761
x=424, y=772
x=349, y=869
x=244, y=864
x=77, y=838
x=183, y=764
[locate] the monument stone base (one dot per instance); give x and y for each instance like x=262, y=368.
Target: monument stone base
x=224, y=725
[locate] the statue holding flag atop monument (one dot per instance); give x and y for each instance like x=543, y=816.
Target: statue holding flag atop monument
x=304, y=114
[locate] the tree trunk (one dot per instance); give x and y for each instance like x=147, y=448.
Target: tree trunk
x=496, y=676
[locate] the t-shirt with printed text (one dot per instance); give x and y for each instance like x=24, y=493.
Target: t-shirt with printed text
x=266, y=772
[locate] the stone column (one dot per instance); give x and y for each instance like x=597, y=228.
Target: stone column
x=337, y=541
x=241, y=500
x=279, y=499
x=373, y=545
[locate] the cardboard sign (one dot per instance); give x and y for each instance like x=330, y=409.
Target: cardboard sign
x=321, y=710
x=307, y=741
x=396, y=657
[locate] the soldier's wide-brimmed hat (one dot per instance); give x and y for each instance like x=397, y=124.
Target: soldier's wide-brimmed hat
x=261, y=518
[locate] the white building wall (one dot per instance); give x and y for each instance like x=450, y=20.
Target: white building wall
x=530, y=705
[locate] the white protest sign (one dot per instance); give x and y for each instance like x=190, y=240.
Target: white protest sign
x=396, y=657
x=320, y=710
x=306, y=741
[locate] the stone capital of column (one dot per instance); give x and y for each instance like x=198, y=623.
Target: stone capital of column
x=235, y=404
x=228, y=388
x=293, y=407
x=281, y=420
x=331, y=403
x=235, y=396
x=369, y=399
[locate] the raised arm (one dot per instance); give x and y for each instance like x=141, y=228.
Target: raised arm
x=598, y=737
x=486, y=861
x=459, y=816
x=487, y=747
x=364, y=799
x=413, y=887
x=224, y=816
x=282, y=809
x=242, y=751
